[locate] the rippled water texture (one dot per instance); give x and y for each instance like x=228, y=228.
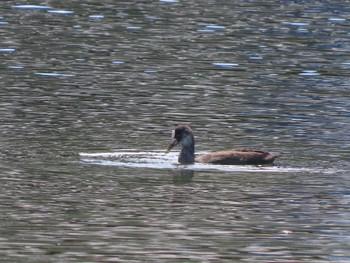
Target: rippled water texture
x=90, y=91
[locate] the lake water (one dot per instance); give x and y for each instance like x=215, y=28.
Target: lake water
x=90, y=91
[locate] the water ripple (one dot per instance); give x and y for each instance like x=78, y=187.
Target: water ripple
x=160, y=160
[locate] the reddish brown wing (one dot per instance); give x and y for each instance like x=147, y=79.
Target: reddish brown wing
x=237, y=156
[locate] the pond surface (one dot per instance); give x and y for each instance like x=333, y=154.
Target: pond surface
x=91, y=90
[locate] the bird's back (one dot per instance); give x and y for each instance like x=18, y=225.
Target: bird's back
x=237, y=157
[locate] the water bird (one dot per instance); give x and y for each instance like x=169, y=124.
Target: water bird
x=182, y=134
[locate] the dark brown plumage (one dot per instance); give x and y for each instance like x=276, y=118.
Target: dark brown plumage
x=183, y=135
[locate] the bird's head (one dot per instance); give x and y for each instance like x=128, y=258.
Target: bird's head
x=181, y=134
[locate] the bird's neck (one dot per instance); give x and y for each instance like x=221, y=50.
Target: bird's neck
x=187, y=151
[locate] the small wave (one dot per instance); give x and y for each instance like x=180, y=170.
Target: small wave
x=159, y=160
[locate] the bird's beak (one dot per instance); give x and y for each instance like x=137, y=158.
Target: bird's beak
x=172, y=143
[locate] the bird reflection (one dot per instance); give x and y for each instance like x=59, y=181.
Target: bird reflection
x=182, y=176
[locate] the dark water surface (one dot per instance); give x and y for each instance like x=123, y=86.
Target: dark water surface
x=114, y=77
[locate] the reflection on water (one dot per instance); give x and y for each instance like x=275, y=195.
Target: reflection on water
x=99, y=77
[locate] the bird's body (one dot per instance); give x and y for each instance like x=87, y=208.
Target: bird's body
x=183, y=135
x=237, y=156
